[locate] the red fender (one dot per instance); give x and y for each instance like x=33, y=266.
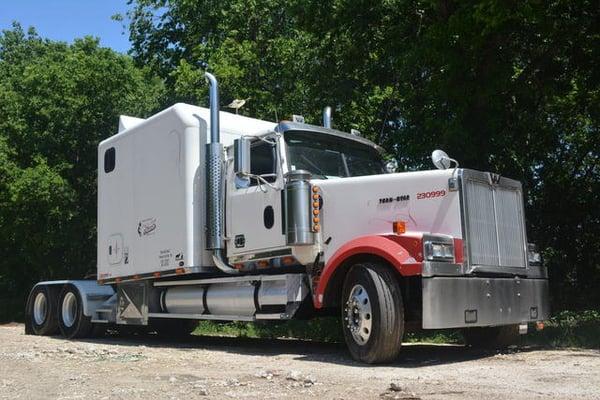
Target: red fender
x=384, y=246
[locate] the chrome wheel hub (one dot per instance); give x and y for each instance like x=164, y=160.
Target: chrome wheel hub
x=40, y=308
x=357, y=314
x=69, y=309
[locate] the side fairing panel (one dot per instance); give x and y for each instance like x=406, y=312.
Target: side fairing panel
x=148, y=219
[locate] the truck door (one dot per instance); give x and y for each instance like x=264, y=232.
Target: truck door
x=254, y=210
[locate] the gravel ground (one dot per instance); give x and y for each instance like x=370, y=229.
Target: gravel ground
x=33, y=367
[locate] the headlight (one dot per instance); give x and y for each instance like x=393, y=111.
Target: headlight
x=438, y=248
x=533, y=256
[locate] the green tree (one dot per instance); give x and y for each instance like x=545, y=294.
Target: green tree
x=57, y=101
x=507, y=86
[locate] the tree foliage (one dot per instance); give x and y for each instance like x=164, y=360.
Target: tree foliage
x=506, y=86
x=57, y=101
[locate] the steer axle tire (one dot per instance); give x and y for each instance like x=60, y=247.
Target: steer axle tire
x=372, y=313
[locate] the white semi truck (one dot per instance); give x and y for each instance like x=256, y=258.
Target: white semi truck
x=207, y=215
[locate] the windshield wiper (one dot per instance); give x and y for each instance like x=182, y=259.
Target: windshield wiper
x=320, y=171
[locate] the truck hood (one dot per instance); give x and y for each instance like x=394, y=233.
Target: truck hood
x=368, y=205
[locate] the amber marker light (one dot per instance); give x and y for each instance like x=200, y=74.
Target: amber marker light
x=539, y=326
x=288, y=260
x=315, y=209
x=399, y=227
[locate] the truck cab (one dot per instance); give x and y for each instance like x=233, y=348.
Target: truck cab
x=206, y=215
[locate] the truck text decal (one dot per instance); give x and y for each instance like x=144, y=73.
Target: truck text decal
x=430, y=195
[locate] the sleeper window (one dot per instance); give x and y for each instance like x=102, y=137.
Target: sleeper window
x=109, y=160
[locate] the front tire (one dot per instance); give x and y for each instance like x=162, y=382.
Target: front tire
x=41, y=312
x=71, y=320
x=372, y=313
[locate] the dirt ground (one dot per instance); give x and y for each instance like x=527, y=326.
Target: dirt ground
x=33, y=367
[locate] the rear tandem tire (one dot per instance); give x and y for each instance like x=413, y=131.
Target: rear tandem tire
x=372, y=313
x=71, y=320
x=492, y=338
x=41, y=312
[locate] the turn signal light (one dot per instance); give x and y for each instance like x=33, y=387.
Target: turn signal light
x=539, y=326
x=288, y=260
x=399, y=227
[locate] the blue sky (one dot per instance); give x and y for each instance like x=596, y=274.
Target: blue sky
x=69, y=19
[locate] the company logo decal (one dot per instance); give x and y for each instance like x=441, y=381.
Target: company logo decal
x=494, y=178
x=146, y=227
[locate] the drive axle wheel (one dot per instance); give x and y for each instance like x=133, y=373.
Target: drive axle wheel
x=71, y=320
x=41, y=311
x=372, y=313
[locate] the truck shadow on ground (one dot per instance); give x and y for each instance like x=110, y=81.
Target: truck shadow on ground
x=413, y=355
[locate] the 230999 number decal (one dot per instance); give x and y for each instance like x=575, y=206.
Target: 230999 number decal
x=430, y=195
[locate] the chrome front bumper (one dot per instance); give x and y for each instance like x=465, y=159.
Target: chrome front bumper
x=457, y=301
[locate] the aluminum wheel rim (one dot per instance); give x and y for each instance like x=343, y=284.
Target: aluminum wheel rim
x=40, y=308
x=358, y=315
x=69, y=309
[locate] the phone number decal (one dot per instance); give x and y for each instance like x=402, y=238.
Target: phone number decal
x=431, y=195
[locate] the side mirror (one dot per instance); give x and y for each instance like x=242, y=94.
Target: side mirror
x=391, y=166
x=241, y=155
x=440, y=159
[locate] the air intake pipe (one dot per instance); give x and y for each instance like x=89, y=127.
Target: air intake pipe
x=214, y=182
x=327, y=117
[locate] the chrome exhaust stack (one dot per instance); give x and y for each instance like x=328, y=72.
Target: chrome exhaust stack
x=214, y=182
x=327, y=117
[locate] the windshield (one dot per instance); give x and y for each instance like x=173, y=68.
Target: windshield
x=329, y=156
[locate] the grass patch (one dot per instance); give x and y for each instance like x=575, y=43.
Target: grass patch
x=565, y=329
x=570, y=329
x=325, y=329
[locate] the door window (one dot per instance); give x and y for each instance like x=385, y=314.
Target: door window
x=263, y=161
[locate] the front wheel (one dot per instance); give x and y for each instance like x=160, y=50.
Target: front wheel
x=372, y=313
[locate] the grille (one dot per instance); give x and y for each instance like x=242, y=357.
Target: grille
x=494, y=223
